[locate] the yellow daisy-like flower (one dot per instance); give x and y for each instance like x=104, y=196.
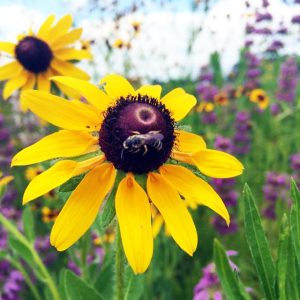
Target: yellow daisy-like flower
x=221, y=99
x=205, y=107
x=260, y=97
x=38, y=57
x=134, y=135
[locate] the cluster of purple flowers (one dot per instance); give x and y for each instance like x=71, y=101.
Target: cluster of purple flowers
x=209, y=285
x=295, y=166
x=287, y=81
x=253, y=71
x=276, y=188
x=225, y=188
x=242, y=135
x=207, y=91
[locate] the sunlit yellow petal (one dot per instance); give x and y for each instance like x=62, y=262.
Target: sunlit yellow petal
x=117, y=86
x=10, y=70
x=44, y=29
x=150, y=90
x=88, y=164
x=217, y=164
x=43, y=82
x=72, y=54
x=176, y=216
x=14, y=84
x=68, y=69
x=60, y=144
x=179, y=103
x=30, y=82
x=182, y=156
x=189, y=142
x=191, y=186
x=82, y=207
x=89, y=91
x=50, y=179
x=60, y=28
x=134, y=217
x=8, y=48
x=60, y=112
x=68, y=38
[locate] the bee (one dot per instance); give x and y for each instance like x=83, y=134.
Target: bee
x=134, y=143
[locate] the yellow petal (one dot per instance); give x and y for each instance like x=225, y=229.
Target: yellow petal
x=61, y=28
x=60, y=144
x=57, y=175
x=183, y=156
x=150, y=90
x=72, y=54
x=30, y=82
x=179, y=103
x=46, y=26
x=68, y=69
x=43, y=82
x=87, y=90
x=68, y=92
x=217, y=164
x=134, y=217
x=5, y=180
x=82, y=207
x=60, y=112
x=68, y=38
x=189, y=142
x=191, y=186
x=8, y=48
x=172, y=208
x=117, y=86
x=50, y=179
x=14, y=84
x=10, y=70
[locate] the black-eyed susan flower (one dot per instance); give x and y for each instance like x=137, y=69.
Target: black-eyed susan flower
x=221, y=99
x=259, y=97
x=37, y=57
x=131, y=133
x=205, y=107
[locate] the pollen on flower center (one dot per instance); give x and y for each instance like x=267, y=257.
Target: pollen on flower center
x=34, y=54
x=137, y=134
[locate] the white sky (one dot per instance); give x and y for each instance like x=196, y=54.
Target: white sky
x=160, y=50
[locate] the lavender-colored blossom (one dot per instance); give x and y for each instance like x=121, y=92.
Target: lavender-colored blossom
x=275, y=46
x=242, y=135
x=276, y=188
x=275, y=109
x=265, y=3
x=259, y=17
x=262, y=31
x=253, y=71
x=287, y=82
x=296, y=19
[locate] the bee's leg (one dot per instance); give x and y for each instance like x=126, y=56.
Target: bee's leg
x=159, y=145
x=122, y=154
x=145, y=149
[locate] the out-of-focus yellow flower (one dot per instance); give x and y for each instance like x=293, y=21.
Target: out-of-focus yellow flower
x=107, y=238
x=239, y=91
x=118, y=43
x=205, y=107
x=5, y=180
x=136, y=26
x=48, y=214
x=221, y=99
x=259, y=97
x=32, y=172
x=37, y=57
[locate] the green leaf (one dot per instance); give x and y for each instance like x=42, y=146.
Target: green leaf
x=71, y=184
x=232, y=287
x=295, y=218
x=134, y=285
x=62, y=285
x=28, y=223
x=258, y=245
x=21, y=249
x=282, y=262
x=78, y=289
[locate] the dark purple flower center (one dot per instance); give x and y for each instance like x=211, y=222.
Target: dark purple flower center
x=137, y=134
x=34, y=54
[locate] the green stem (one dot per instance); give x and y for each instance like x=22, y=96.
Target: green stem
x=46, y=276
x=119, y=279
x=84, y=251
x=27, y=279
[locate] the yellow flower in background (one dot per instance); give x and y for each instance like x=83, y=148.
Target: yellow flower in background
x=5, y=180
x=221, y=99
x=259, y=97
x=118, y=43
x=130, y=133
x=37, y=57
x=48, y=214
x=136, y=26
x=205, y=107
